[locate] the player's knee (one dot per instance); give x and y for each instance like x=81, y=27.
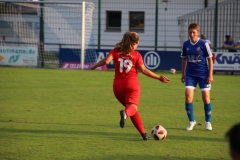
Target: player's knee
x=188, y=99
x=206, y=101
x=133, y=105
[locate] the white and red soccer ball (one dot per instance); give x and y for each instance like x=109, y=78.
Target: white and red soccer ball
x=172, y=70
x=159, y=132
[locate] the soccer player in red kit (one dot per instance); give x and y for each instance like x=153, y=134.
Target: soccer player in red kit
x=126, y=85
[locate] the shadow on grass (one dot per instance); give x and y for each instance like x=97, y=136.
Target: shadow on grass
x=111, y=135
x=138, y=157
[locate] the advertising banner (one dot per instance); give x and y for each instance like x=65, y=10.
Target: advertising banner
x=18, y=56
x=153, y=60
x=158, y=60
x=227, y=61
x=77, y=65
x=69, y=58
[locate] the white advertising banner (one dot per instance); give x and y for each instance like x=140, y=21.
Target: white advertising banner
x=227, y=61
x=18, y=55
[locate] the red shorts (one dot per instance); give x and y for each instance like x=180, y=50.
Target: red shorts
x=127, y=90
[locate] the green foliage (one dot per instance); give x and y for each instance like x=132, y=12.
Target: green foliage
x=73, y=114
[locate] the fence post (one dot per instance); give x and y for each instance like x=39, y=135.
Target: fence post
x=41, y=32
x=215, y=25
x=156, y=25
x=99, y=23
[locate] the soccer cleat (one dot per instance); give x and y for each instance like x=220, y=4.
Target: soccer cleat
x=145, y=136
x=123, y=118
x=191, y=125
x=208, y=126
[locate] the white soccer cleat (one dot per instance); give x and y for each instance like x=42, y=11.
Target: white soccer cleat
x=191, y=125
x=208, y=126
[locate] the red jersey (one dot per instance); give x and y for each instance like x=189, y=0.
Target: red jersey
x=126, y=64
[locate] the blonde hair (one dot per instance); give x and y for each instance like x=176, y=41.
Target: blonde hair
x=128, y=41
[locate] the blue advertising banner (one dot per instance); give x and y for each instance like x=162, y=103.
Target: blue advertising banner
x=153, y=60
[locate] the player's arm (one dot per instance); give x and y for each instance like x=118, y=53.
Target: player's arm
x=237, y=44
x=149, y=73
x=184, y=64
x=210, y=65
x=210, y=45
x=232, y=46
x=102, y=62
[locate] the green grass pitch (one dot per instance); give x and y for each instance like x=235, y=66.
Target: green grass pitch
x=73, y=114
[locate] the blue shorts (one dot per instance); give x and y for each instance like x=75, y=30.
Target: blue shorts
x=192, y=81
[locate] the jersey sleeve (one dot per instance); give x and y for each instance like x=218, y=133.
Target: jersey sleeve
x=208, y=41
x=207, y=50
x=139, y=60
x=111, y=53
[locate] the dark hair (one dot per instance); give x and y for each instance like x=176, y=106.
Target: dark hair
x=233, y=136
x=127, y=42
x=193, y=26
x=227, y=37
x=203, y=37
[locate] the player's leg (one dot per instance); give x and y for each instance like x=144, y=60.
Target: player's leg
x=205, y=88
x=131, y=96
x=132, y=99
x=127, y=92
x=138, y=123
x=190, y=85
x=189, y=93
x=119, y=88
x=129, y=111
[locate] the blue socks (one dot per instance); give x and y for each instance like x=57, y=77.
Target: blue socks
x=208, y=111
x=189, y=110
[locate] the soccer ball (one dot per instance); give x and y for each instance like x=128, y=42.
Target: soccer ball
x=159, y=132
x=172, y=70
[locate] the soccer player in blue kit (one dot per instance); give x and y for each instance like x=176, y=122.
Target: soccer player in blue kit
x=197, y=68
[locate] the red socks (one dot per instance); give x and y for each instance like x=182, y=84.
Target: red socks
x=136, y=119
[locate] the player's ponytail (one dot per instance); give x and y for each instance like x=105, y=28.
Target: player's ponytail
x=127, y=42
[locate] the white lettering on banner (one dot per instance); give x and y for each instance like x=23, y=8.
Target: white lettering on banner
x=152, y=60
x=227, y=61
x=65, y=65
x=18, y=55
x=77, y=65
x=102, y=55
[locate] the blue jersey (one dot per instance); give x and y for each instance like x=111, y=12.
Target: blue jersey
x=229, y=44
x=196, y=56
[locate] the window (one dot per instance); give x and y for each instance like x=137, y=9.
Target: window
x=136, y=21
x=114, y=20
x=10, y=8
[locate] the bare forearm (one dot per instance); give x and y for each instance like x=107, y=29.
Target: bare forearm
x=228, y=46
x=184, y=62
x=100, y=63
x=150, y=74
x=210, y=67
